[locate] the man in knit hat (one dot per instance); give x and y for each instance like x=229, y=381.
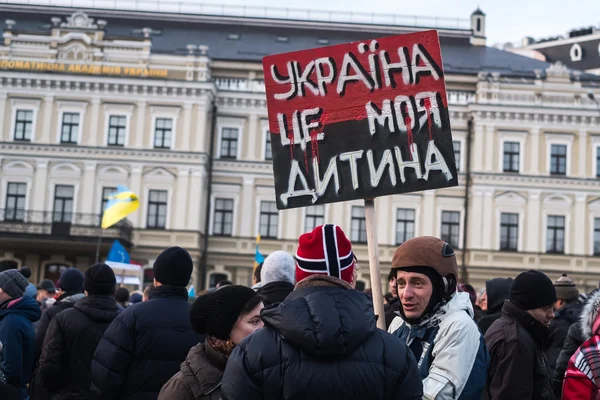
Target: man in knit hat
x=516, y=341
x=277, y=277
x=322, y=341
x=436, y=321
x=17, y=315
x=566, y=312
x=146, y=343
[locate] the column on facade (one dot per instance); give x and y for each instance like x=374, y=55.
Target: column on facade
x=140, y=125
x=3, y=135
x=40, y=188
x=476, y=218
x=386, y=220
x=534, y=151
x=490, y=148
x=201, y=132
x=428, y=213
x=479, y=132
x=252, y=138
x=197, y=201
x=47, y=120
x=583, y=152
x=88, y=191
x=135, y=183
x=487, y=213
x=93, y=137
x=578, y=239
x=188, y=109
x=245, y=218
x=181, y=199
x=532, y=233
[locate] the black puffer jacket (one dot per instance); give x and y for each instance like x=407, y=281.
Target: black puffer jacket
x=559, y=327
x=275, y=292
x=321, y=343
x=71, y=340
x=498, y=290
x=143, y=347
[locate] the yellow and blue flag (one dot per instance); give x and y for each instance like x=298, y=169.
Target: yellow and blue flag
x=120, y=204
x=258, y=258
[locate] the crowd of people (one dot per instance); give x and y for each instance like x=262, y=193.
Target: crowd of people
x=302, y=331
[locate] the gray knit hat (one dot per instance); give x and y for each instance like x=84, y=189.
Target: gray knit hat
x=13, y=283
x=566, y=289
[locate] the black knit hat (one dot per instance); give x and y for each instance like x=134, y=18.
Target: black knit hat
x=100, y=280
x=216, y=313
x=531, y=290
x=173, y=267
x=71, y=281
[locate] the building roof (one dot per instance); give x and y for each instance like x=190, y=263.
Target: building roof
x=478, y=12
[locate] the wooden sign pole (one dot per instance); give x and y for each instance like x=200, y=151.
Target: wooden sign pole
x=373, y=247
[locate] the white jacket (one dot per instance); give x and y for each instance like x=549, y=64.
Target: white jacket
x=455, y=348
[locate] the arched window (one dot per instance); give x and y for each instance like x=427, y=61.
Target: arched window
x=52, y=271
x=8, y=264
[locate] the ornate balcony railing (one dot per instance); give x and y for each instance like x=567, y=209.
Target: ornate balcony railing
x=60, y=225
x=240, y=85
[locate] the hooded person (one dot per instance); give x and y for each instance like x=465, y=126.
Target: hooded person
x=324, y=330
x=145, y=344
x=31, y=288
x=582, y=378
x=17, y=315
x=436, y=322
x=226, y=317
x=467, y=288
x=516, y=341
x=277, y=277
x=497, y=290
x=391, y=298
x=64, y=368
x=71, y=287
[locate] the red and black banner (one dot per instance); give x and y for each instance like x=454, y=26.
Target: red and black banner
x=359, y=120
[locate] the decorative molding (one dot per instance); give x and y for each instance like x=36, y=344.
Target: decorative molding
x=79, y=20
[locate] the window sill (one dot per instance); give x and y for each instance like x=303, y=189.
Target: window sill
x=161, y=148
x=22, y=140
x=222, y=234
x=156, y=228
x=555, y=253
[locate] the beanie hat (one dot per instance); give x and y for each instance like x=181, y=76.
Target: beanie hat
x=427, y=251
x=278, y=266
x=325, y=251
x=135, y=298
x=566, y=288
x=100, y=279
x=122, y=295
x=216, y=313
x=47, y=285
x=13, y=283
x=71, y=280
x=531, y=290
x=173, y=267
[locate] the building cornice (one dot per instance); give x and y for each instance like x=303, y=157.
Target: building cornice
x=539, y=182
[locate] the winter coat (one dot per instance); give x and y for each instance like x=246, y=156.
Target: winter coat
x=559, y=327
x=498, y=290
x=582, y=379
x=321, y=343
x=143, y=347
x=450, y=351
x=275, y=292
x=517, y=368
x=391, y=311
x=18, y=339
x=62, y=303
x=572, y=342
x=199, y=378
x=65, y=364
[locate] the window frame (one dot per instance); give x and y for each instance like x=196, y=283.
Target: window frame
x=166, y=204
x=559, y=139
x=314, y=216
x=155, y=129
x=103, y=200
x=518, y=231
x=564, y=228
x=517, y=137
x=214, y=215
x=460, y=154
x=62, y=123
x=362, y=223
x=238, y=140
x=270, y=214
x=18, y=196
x=25, y=122
x=594, y=253
x=396, y=241
x=558, y=157
x=511, y=155
x=458, y=245
x=125, y=130
x=62, y=212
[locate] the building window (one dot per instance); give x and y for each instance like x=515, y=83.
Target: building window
x=215, y=278
x=23, y=125
x=456, y=147
x=53, y=271
x=315, y=216
x=223, y=222
x=358, y=226
x=69, y=132
x=163, y=131
x=450, y=227
x=555, y=234
x=106, y=192
x=597, y=162
x=511, y=156
x=597, y=236
x=117, y=125
x=15, y=201
x=268, y=151
x=157, y=209
x=509, y=231
x=63, y=203
x=558, y=159
x=405, y=225
x=269, y=219
x=229, y=142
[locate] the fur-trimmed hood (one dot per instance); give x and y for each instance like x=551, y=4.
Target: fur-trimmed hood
x=590, y=314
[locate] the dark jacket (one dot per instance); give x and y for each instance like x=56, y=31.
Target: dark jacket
x=143, y=347
x=275, y=292
x=65, y=364
x=517, y=368
x=199, y=378
x=65, y=301
x=498, y=290
x=574, y=339
x=563, y=319
x=18, y=339
x=391, y=311
x=321, y=343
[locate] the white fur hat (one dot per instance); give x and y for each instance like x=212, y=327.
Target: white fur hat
x=278, y=266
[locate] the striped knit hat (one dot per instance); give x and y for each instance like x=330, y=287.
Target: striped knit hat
x=325, y=251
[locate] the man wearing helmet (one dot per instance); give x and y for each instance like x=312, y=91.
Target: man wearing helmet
x=437, y=322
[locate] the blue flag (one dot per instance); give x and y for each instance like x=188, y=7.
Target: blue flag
x=118, y=253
